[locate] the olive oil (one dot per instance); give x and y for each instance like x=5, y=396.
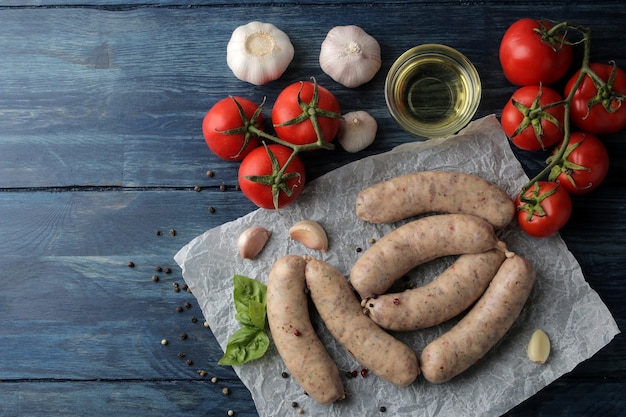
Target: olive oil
x=432, y=91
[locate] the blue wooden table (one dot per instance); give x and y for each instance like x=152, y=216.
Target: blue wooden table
x=101, y=157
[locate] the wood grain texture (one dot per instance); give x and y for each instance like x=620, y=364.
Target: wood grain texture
x=101, y=104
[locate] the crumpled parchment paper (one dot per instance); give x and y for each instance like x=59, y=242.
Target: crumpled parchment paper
x=561, y=303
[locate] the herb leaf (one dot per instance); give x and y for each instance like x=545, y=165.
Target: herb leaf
x=250, y=341
x=245, y=345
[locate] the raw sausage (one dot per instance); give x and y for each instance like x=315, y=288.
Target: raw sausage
x=371, y=346
x=483, y=326
x=417, y=242
x=445, y=297
x=435, y=191
x=298, y=345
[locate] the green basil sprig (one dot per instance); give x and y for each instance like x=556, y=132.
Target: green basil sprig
x=250, y=341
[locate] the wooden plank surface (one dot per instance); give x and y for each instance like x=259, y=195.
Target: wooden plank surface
x=100, y=147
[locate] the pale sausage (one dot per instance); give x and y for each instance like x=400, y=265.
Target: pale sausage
x=445, y=297
x=341, y=312
x=483, y=326
x=435, y=191
x=417, y=242
x=298, y=345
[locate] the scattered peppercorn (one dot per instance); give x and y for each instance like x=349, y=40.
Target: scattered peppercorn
x=179, y=309
x=183, y=336
x=167, y=271
x=396, y=301
x=231, y=413
x=358, y=250
x=297, y=332
x=294, y=404
x=172, y=232
x=225, y=391
x=164, y=342
x=210, y=173
x=354, y=374
x=214, y=379
x=155, y=278
x=206, y=324
x=383, y=409
x=131, y=264
x=300, y=411
x=364, y=372
x=197, y=188
x=187, y=304
x=348, y=374
x=202, y=373
x=158, y=269
x=189, y=362
x=223, y=187
x=194, y=319
x=284, y=374
x=372, y=240
x=181, y=354
x=211, y=209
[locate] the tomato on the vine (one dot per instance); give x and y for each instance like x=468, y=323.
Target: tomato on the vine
x=543, y=209
x=225, y=127
x=598, y=106
x=528, y=124
x=266, y=182
x=529, y=55
x=584, y=165
x=299, y=107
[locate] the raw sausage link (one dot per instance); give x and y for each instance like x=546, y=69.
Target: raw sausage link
x=483, y=326
x=298, y=345
x=417, y=242
x=445, y=297
x=371, y=346
x=435, y=191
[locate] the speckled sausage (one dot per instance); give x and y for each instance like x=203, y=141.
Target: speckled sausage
x=483, y=326
x=445, y=297
x=435, y=191
x=298, y=345
x=371, y=346
x=417, y=242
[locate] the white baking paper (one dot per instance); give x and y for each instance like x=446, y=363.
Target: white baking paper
x=561, y=303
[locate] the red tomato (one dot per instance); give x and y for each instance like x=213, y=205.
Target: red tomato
x=528, y=58
x=225, y=128
x=529, y=126
x=584, y=166
x=261, y=181
x=599, y=109
x=299, y=103
x=547, y=210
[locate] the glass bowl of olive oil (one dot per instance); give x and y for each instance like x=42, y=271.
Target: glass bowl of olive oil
x=432, y=90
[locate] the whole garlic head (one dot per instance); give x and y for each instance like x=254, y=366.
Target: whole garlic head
x=258, y=52
x=350, y=56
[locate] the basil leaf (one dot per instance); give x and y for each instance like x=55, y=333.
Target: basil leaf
x=245, y=345
x=246, y=289
x=257, y=314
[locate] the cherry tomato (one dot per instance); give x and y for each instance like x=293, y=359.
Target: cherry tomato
x=585, y=164
x=547, y=210
x=599, y=109
x=530, y=57
x=225, y=128
x=298, y=106
x=262, y=182
x=528, y=124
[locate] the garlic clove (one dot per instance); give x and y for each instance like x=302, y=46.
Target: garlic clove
x=252, y=241
x=350, y=56
x=311, y=234
x=258, y=52
x=357, y=131
x=539, y=347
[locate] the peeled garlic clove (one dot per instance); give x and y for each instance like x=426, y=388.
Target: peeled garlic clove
x=258, y=52
x=350, y=56
x=539, y=347
x=310, y=234
x=252, y=241
x=357, y=131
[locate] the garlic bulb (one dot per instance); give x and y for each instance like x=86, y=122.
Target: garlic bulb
x=357, y=131
x=258, y=52
x=252, y=241
x=310, y=234
x=350, y=56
